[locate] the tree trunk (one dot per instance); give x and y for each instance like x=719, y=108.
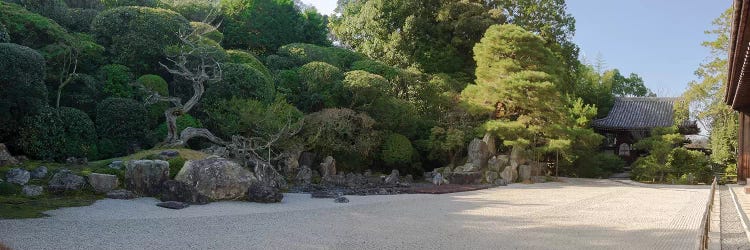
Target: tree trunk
x=171, y=119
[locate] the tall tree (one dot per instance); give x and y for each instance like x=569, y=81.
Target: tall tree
x=515, y=85
x=706, y=95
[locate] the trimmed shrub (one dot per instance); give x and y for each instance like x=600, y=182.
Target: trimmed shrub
x=193, y=10
x=85, y=4
x=208, y=31
x=120, y=3
x=119, y=123
x=43, y=135
x=137, y=36
x=154, y=83
x=397, y=151
x=302, y=53
x=83, y=92
x=7, y=188
x=240, y=56
x=80, y=134
x=365, y=88
x=117, y=80
x=241, y=81
x=600, y=165
x=175, y=165
x=333, y=131
x=375, y=67
x=81, y=19
x=250, y=117
x=22, y=87
x=30, y=29
x=56, y=10
x=275, y=62
x=323, y=87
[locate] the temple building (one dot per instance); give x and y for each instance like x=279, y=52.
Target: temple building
x=738, y=83
x=632, y=119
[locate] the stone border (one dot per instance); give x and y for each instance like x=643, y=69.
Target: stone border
x=740, y=211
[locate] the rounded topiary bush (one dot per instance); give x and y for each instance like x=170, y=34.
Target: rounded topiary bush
x=154, y=83
x=322, y=84
x=397, y=151
x=184, y=121
x=239, y=56
x=208, y=31
x=22, y=89
x=138, y=36
x=43, y=135
x=80, y=133
x=81, y=19
x=364, y=87
x=119, y=123
x=83, y=92
x=241, y=81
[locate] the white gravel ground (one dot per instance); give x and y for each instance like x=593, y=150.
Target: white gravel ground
x=576, y=214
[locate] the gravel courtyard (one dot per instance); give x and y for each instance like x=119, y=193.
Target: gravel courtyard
x=573, y=214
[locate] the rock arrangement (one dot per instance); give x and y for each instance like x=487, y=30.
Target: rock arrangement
x=17, y=176
x=6, y=159
x=65, y=180
x=257, y=192
x=39, y=172
x=32, y=190
x=179, y=191
x=482, y=167
x=121, y=194
x=217, y=178
x=103, y=183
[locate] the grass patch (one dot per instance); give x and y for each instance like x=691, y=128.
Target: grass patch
x=187, y=154
x=19, y=207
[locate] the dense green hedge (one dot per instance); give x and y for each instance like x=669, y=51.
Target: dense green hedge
x=240, y=56
x=302, y=53
x=137, y=36
x=83, y=92
x=323, y=85
x=43, y=135
x=21, y=81
x=208, y=31
x=241, y=81
x=120, y=122
x=397, y=151
x=117, y=80
x=80, y=133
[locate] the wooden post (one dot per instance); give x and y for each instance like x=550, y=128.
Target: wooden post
x=743, y=149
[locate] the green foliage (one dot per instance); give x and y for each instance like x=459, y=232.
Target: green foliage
x=120, y=122
x=21, y=81
x=338, y=132
x=301, y=54
x=43, y=135
x=80, y=19
x=207, y=31
x=240, y=81
x=433, y=36
x=7, y=188
x=395, y=115
x=446, y=145
x=322, y=86
x=137, y=36
x=83, y=92
x=666, y=158
x=4, y=37
x=314, y=28
x=56, y=10
x=625, y=86
x=516, y=85
x=396, y=151
x=193, y=10
x=251, y=118
x=600, y=165
x=80, y=134
x=154, y=83
x=120, y=3
x=117, y=80
x=243, y=57
x=262, y=26
x=175, y=165
x=366, y=88
x=183, y=121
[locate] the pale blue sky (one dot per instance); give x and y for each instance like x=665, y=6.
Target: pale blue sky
x=657, y=39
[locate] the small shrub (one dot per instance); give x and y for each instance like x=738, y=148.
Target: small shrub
x=243, y=57
x=80, y=134
x=241, y=81
x=43, y=135
x=397, y=151
x=598, y=165
x=120, y=122
x=175, y=165
x=117, y=80
x=9, y=189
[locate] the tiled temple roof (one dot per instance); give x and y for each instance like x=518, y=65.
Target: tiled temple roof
x=638, y=113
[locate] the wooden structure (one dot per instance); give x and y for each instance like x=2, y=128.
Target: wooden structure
x=738, y=83
x=632, y=119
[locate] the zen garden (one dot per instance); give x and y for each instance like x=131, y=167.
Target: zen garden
x=377, y=124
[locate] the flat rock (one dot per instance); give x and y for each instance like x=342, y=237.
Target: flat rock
x=32, y=190
x=173, y=204
x=116, y=165
x=17, y=176
x=341, y=199
x=465, y=178
x=103, y=183
x=121, y=194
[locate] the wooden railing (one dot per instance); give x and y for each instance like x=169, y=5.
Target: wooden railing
x=706, y=220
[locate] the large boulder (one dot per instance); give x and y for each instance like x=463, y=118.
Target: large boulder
x=524, y=173
x=304, y=176
x=217, y=178
x=392, y=178
x=17, y=176
x=266, y=174
x=145, y=177
x=498, y=163
x=328, y=167
x=103, y=183
x=465, y=178
x=437, y=179
x=478, y=153
x=65, y=180
x=32, y=190
x=510, y=173
x=257, y=192
x=6, y=159
x=289, y=162
x=39, y=172
x=179, y=191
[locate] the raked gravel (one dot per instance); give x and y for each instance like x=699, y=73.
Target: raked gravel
x=573, y=214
